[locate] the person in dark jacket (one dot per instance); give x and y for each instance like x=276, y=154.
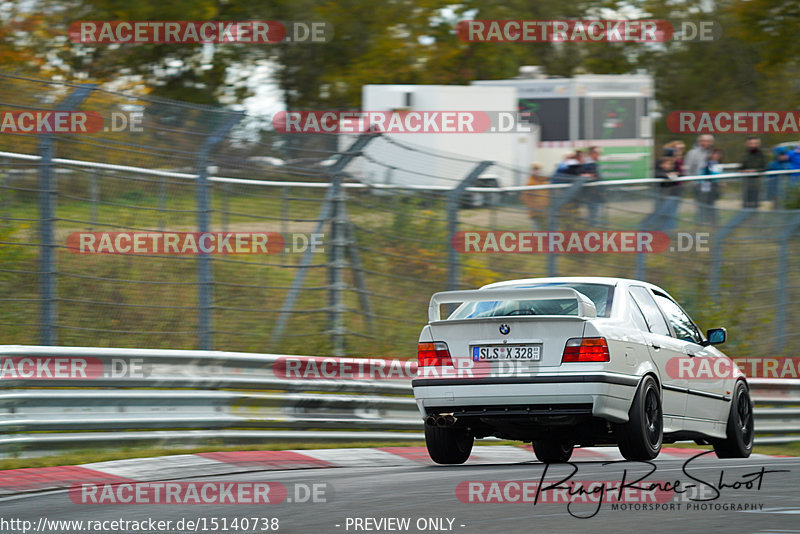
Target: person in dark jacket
x=669, y=193
x=594, y=196
x=754, y=161
x=794, y=157
x=665, y=169
x=781, y=162
x=708, y=190
x=566, y=173
x=573, y=165
x=676, y=151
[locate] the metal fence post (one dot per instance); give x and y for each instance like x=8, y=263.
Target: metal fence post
x=783, y=282
x=454, y=197
x=48, y=194
x=284, y=213
x=5, y=188
x=325, y=212
x=204, y=278
x=94, y=195
x=336, y=264
x=225, y=206
x=358, y=273
x=552, y=224
x=162, y=203
x=297, y=283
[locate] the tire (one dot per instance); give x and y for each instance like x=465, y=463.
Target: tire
x=551, y=451
x=641, y=437
x=448, y=445
x=739, y=443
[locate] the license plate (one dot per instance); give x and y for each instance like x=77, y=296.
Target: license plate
x=530, y=352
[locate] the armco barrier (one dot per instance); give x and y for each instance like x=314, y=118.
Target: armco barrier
x=95, y=397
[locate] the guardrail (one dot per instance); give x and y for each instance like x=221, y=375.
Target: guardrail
x=730, y=174
x=73, y=397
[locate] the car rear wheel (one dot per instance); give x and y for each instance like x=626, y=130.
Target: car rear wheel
x=642, y=435
x=553, y=451
x=448, y=445
x=740, y=428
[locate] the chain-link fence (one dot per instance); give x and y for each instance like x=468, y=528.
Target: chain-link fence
x=361, y=247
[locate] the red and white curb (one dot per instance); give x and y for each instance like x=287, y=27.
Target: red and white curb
x=183, y=466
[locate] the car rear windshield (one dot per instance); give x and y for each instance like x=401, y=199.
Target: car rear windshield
x=600, y=294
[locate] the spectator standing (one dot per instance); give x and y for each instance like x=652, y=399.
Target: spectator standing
x=754, y=161
x=537, y=201
x=680, y=154
x=568, y=172
x=567, y=168
x=781, y=162
x=708, y=191
x=676, y=151
x=565, y=162
x=573, y=164
x=669, y=193
x=794, y=157
x=594, y=196
x=694, y=165
x=696, y=158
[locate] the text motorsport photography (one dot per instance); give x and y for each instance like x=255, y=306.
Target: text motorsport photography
x=633, y=491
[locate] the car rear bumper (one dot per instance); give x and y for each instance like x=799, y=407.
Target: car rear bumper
x=608, y=394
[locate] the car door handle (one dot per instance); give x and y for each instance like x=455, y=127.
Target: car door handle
x=690, y=354
x=657, y=347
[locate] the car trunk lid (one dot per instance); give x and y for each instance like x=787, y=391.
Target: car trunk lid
x=509, y=344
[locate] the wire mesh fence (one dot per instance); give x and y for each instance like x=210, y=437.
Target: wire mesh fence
x=359, y=231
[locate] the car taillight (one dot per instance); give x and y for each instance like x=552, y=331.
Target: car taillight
x=586, y=349
x=433, y=354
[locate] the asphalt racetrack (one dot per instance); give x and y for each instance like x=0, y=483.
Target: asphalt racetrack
x=747, y=495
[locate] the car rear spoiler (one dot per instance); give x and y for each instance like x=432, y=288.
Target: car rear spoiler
x=586, y=308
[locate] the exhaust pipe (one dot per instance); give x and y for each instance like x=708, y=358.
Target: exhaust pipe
x=446, y=419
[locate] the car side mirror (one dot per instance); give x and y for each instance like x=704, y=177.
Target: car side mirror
x=716, y=336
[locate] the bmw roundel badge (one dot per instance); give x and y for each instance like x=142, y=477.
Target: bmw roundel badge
x=504, y=329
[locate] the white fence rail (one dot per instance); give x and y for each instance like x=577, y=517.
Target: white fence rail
x=59, y=397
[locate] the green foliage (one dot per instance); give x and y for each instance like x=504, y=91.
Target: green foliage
x=751, y=65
